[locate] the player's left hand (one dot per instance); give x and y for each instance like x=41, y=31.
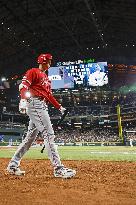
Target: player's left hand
x=62, y=110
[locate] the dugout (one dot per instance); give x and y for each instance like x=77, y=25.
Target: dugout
x=11, y=136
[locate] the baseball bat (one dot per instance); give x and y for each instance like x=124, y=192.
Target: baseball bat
x=58, y=124
x=42, y=149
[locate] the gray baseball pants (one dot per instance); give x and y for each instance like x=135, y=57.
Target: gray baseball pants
x=37, y=111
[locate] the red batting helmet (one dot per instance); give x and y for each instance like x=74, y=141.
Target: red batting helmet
x=43, y=57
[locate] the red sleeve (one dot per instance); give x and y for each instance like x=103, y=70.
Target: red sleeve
x=22, y=93
x=53, y=101
x=26, y=82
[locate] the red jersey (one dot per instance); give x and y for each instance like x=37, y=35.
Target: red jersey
x=38, y=84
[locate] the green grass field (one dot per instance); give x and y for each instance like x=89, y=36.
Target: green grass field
x=109, y=153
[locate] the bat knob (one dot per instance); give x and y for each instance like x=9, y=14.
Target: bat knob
x=42, y=149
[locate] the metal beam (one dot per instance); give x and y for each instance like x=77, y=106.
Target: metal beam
x=96, y=23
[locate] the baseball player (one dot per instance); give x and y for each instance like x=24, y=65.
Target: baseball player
x=36, y=82
x=98, y=78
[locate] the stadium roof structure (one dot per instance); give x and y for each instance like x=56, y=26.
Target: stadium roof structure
x=69, y=29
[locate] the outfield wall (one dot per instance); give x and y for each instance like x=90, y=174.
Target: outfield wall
x=17, y=142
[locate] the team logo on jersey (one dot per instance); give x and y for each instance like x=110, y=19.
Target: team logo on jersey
x=46, y=83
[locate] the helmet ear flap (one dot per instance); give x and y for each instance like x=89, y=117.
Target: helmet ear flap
x=43, y=57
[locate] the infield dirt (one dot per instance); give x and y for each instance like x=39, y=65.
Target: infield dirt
x=96, y=182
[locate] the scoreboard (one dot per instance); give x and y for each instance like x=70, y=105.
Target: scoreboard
x=89, y=74
x=86, y=74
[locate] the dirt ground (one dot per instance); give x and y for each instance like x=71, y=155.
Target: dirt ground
x=102, y=183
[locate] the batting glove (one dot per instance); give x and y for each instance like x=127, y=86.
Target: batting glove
x=62, y=110
x=23, y=106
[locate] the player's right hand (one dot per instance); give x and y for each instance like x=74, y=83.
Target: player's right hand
x=23, y=106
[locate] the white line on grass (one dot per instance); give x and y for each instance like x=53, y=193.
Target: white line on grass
x=113, y=153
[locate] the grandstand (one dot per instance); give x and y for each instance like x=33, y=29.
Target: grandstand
x=92, y=116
